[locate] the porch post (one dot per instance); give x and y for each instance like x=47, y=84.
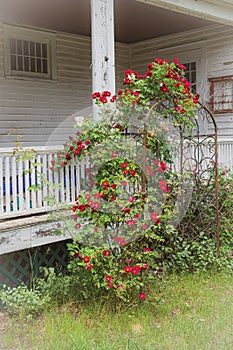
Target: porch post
x=103, y=56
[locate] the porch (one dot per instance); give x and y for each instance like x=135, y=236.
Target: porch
x=29, y=190
x=28, y=237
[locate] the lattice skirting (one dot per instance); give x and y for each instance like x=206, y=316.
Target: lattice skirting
x=19, y=267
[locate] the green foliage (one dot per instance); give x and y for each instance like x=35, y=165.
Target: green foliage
x=57, y=287
x=23, y=302
x=193, y=245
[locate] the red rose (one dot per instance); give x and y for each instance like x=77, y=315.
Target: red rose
x=150, y=66
x=106, y=253
x=113, y=99
x=108, y=278
x=68, y=156
x=164, y=88
x=145, y=266
x=106, y=93
x=96, y=205
x=86, y=259
x=135, y=270
x=127, y=269
x=163, y=185
x=142, y=296
x=95, y=95
x=163, y=166
x=81, y=207
x=89, y=266
x=154, y=216
x=125, y=210
x=103, y=99
x=146, y=249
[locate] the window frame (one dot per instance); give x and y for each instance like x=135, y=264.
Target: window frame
x=37, y=36
x=227, y=106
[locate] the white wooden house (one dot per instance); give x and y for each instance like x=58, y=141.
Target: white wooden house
x=54, y=53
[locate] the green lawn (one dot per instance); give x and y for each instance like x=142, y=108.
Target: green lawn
x=184, y=313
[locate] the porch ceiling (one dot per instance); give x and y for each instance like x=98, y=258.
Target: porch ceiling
x=134, y=21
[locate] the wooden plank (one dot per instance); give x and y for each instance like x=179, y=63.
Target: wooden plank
x=14, y=176
x=21, y=186
x=1, y=188
x=27, y=175
x=7, y=185
x=67, y=183
x=72, y=181
x=33, y=203
x=45, y=166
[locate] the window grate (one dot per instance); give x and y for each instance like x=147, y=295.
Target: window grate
x=29, y=53
x=221, y=94
x=28, y=56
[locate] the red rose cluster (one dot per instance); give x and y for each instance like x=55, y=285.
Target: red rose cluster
x=103, y=97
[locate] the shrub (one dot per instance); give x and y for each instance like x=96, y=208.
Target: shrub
x=120, y=220
x=23, y=302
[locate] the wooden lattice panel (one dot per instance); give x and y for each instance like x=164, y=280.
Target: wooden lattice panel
x=18, y=267
x=14, y=268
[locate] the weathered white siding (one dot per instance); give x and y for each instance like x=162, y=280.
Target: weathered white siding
x=218, y=42
x=37, y=107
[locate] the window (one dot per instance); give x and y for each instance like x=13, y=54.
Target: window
x=29, y=53
x=221, y=94
x=191, y=75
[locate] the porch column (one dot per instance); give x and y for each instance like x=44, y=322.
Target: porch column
x=103, y=55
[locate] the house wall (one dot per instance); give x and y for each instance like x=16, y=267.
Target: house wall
x=218, y=44
x=37, y=107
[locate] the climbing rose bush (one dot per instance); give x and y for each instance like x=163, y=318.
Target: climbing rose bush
x=129, y=191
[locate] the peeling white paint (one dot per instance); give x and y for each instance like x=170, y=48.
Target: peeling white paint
x=103, y=56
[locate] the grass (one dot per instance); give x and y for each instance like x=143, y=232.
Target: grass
x=192, y=312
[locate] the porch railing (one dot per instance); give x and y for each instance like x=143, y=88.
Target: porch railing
x=21, y=193
x=28, y=186
x=225, y=153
